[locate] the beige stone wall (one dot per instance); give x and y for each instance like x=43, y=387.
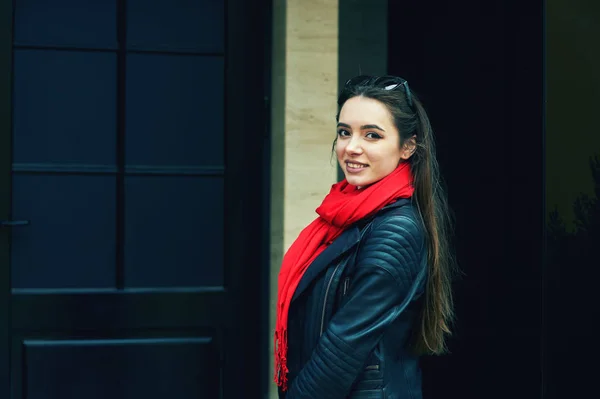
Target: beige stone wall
x=305, y=69
x=311, y=94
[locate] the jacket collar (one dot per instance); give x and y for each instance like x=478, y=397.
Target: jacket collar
x=345, y=242
x=348, y=239
x=397, y=204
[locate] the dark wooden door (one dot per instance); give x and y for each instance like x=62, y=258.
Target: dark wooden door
x=133, y=141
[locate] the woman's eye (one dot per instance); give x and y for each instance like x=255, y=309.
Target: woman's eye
x=372, y=135
x=343, y=133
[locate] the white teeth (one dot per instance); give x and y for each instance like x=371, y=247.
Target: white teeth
x=356, y=166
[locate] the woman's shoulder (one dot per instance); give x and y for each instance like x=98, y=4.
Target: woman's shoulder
x=402, y=213
x=394, y=226
x=394, y=240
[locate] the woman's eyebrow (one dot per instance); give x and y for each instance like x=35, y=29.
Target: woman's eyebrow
x=363, y=127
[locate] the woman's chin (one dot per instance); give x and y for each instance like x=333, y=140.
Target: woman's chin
x=358, y=182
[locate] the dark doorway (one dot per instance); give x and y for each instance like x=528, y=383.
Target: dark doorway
x=479, y=69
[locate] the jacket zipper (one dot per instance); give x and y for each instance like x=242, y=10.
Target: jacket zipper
x=346, y=284
x=325, y=299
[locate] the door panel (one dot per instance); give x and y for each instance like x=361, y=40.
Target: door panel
x=66, y=23
x=143, y=267
x=64, y=109
x=184, y=26
x=113, y=368
x=88, y=366
x=70, y=242
x=166, y=134
x=180, y=231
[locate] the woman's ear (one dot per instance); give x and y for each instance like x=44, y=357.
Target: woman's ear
x=408, y=148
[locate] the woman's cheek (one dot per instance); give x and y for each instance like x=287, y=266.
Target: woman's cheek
x=339, y=150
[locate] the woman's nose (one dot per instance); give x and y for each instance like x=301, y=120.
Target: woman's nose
x=353, y=146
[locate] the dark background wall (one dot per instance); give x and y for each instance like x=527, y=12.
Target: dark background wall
x=478, y=67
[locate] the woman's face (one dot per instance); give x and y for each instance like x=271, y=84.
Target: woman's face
x=368, y=143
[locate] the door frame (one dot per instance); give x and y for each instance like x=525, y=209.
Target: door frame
x=6, y=11
x=247, y=98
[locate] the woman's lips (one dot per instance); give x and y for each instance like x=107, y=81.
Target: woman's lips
x=355, y=167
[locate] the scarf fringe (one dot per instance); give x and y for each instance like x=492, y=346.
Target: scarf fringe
x=281, y=369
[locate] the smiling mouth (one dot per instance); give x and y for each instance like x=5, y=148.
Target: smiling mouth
x=355, y=165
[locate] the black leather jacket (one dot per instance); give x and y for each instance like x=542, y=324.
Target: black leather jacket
x=354, y=310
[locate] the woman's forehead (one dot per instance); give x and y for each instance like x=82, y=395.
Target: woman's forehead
x=362, y=110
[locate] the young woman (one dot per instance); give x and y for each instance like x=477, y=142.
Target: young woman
x=365, y=288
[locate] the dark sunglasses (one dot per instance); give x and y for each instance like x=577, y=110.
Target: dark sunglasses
x=382, y=82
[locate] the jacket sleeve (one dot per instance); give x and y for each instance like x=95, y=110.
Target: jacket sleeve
x=387, y=264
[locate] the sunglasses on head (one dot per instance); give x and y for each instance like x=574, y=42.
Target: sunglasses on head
x=382, y=82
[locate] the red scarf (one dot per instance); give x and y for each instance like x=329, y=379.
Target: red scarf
x=342, y=207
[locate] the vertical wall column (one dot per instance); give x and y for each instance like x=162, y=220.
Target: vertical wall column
x=311, y=95
x=304, y=95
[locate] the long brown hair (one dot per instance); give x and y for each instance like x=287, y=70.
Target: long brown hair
x=411, y=120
